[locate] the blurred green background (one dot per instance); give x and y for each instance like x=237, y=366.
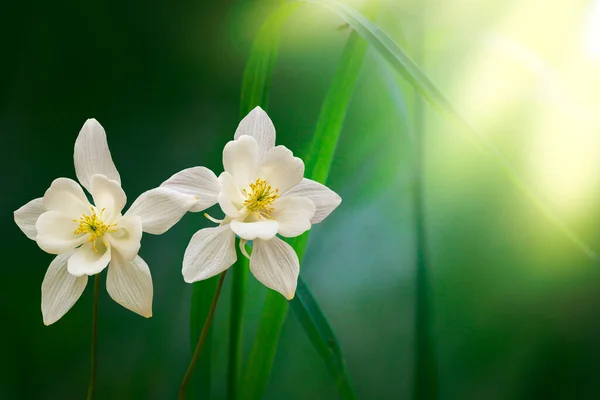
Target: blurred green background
x=515, y=307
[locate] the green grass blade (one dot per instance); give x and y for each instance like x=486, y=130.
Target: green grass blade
x=425, y=381
x=259, y=68
x=333, y=111
x=400, y=60
x=257, y=369
x=312, y=319
x=255, y=92
x=238, y=292
x=202, y=293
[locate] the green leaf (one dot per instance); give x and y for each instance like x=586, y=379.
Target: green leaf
x=202, y=296
x=402, y=63
x=333, y=111
x=255, y=92
x=260, y=362
x=259, y=68
x=238, y=292
x=318, y=161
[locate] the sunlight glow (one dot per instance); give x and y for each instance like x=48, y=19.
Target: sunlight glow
x=592, y=32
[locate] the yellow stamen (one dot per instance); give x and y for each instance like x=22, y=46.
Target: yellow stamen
x=260, y=198
x=93, y=225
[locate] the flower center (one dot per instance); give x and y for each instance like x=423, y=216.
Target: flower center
x=260, y=198
x=93, y=225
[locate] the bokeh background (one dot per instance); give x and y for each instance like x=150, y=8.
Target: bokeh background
x=515, y=306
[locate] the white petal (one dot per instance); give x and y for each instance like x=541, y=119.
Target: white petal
x=66, y=196
x=210, y=252
x=26, y=216
x=129, y=283
x=92, y=155
x=240, y=158
x=325, y=199
x=281, y=169
x=199, y=182
x=56, y=233
x=251, y=230
x=108, y=196
x=258, y=125
x=126, y=236
x=60, y=290
x=293, y=215
x=89, y=261
x=160, y=209
x=230, y=196
x=276, y=265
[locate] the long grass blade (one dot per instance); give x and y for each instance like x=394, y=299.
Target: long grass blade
x=255, y=92
x=238, y=292
x=401, y=62
x=310, y=315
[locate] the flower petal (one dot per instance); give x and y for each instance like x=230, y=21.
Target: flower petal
x=92, y=155
x=108, y=196
x=27, y=216
x=259, y=229
x=127, y=236
x=276, y=265
x=66, y=196
x=210, y=252
x=129, y=283
x=281, y=169
x=258, y=125
x=89, y=260
x=60, y=290
x=325, y=199
x=240, y=158
x=293, y=215
x=197, y=181
x=230, y=196
x=56, y=233
x=160, y=209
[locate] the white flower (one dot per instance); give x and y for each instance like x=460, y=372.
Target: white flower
x=262, y=193
x=87, y=238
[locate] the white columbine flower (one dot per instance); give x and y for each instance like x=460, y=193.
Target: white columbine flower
x=87, y=238
x=263, y=193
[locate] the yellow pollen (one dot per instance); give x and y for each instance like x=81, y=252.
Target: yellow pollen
x=93, y=225
x=260, y=198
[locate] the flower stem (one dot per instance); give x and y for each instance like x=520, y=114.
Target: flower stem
x=90, y=394
x=202, y=339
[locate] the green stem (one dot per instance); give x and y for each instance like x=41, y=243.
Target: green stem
x=425, y=383
x=90, y=394
x=202, y=295
x=238, y=291
x=201, y=340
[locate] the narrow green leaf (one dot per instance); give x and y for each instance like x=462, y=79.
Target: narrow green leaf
x=202, y=294
x=259, y=68
x=311, y=317
x=400, y=61
x=257, y=369
x=238, y=291
x=333, y=111
x=255, y=92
